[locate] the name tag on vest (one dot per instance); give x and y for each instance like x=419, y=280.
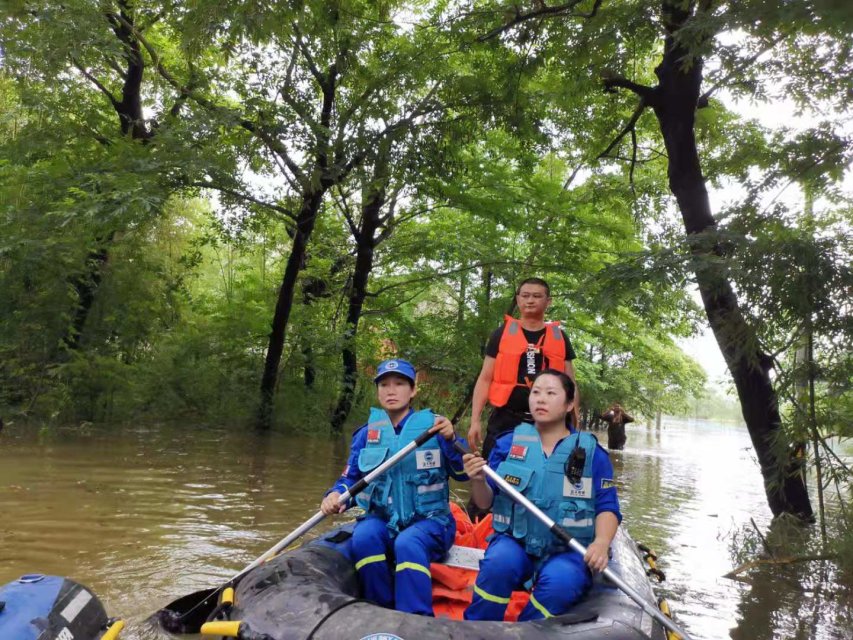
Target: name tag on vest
x=429, y=458
x=582, y=489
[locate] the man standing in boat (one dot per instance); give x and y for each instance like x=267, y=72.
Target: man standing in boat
x=407, y=508
x=517, y=351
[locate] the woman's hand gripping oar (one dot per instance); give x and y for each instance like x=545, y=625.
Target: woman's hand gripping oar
x=561, y=533
x=187, y=614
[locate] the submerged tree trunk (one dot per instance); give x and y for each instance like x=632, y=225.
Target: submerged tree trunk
x=312, y=288
x=284, y=304
x=366, y=240
x=675, y=101
x=85, y=286
x=131, y=123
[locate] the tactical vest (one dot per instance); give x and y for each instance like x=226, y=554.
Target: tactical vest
x=543, y=481
x=512, y=348
x=415, y=488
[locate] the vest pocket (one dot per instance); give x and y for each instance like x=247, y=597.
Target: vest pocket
x=578, y=520
x=431, y=492
x=518, y=476
x=371, y=457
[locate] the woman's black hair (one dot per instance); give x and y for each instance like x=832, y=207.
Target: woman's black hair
x=568, y=385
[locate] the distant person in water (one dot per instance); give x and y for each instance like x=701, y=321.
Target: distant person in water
x=534, y=458
x=616, y=418
x=407, y=512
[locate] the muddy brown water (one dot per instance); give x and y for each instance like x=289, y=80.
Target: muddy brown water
x=143, y=515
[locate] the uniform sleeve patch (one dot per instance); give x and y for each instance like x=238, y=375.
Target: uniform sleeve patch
x=345, y=472
x=607, y=483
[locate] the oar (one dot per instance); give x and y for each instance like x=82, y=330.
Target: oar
x=563, y=535
x=187, y=614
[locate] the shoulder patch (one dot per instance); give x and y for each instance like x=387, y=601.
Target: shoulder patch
x=517, y=452
x=513, y=480
x=607, y=483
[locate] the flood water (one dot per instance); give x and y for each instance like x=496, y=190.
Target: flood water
x=143, y=515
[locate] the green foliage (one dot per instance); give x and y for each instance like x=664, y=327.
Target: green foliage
x=494, y=176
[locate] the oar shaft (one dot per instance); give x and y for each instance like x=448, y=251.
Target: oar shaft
x=353, y=491
x=519, y=497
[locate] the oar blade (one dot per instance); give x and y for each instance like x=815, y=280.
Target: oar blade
x=187, y=614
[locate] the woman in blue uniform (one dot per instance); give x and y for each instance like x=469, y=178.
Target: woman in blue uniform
x=407, y=518
x=570, y=478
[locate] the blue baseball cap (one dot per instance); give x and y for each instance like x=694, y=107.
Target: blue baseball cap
x=396, y=365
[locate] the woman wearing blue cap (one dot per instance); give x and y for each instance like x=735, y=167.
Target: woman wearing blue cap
x=407, y=513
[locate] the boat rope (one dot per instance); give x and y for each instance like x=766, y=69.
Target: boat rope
x=663, y=605
x=650, y=558
x=332, y=612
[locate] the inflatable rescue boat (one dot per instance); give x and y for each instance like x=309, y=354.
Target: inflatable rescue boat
x=311, y=593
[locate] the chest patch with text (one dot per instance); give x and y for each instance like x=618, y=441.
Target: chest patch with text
x=428, y=458
x=582, y=489
x=373, y=436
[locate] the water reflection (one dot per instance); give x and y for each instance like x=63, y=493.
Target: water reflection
x=144, y=515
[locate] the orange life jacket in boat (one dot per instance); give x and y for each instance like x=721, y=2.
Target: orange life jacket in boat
x=453, y=587
x=513, y=347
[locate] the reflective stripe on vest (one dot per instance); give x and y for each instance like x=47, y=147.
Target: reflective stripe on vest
x=416, y=487
x=512, y=348
x=543, y=481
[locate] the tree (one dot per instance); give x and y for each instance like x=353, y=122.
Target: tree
x=618, y=37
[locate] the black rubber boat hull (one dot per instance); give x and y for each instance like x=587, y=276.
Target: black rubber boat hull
x=312, y=593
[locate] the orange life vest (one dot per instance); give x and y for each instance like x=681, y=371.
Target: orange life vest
x=453, y=587
x=513, y=347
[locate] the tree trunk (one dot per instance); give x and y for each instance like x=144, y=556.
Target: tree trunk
x=675, y=102
x=85, y=285
x=132, y=122
x=312, y=288
x=304, y=227
x=370, y=221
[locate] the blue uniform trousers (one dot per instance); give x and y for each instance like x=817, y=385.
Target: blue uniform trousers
x=561, y=581
x=422, y=542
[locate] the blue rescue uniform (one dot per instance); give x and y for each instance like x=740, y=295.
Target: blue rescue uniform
x=407, y=513
x=521, y=548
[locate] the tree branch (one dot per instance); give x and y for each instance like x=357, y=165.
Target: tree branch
x=345, y=209
x=273, y=144
x=777, y=561
x=312, y=66
x=748, y=62
x=470, y=267
x=94, y=81
x=611, y=83
x=628, y=128
x=248, y=198
x=541, y=11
